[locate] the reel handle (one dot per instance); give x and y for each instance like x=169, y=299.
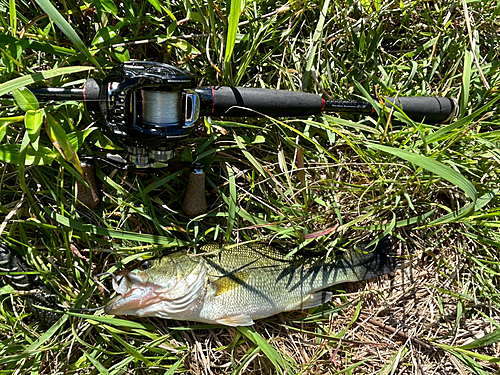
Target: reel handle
x=195, y=202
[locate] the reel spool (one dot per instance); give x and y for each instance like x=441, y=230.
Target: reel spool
x=161, y=108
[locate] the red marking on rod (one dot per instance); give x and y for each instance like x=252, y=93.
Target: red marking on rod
x=213, y=99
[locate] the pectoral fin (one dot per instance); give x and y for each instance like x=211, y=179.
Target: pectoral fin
x=315, y=299
x=230, y=282
x=237, y=320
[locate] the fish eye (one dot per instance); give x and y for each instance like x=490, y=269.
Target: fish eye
x=147, y=264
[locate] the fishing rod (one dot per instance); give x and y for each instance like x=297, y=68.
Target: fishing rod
x=148, y=107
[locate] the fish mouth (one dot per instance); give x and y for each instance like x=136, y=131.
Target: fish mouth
x=135, y=293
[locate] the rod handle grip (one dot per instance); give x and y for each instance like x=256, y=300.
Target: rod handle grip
x=195, y=203
x=434, y=110
x=255, y=102
x=87, y=194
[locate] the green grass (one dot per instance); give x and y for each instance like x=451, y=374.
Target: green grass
x=434, y=188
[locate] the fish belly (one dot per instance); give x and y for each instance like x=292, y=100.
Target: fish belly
x=256, y=300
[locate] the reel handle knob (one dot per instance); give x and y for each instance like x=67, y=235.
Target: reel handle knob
x=195, y=203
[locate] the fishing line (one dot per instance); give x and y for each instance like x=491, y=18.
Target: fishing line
x=106, y=274
x=75, y=309
x=161, y=108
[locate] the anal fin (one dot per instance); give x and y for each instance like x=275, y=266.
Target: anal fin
x=236, y=320
x=315, y=299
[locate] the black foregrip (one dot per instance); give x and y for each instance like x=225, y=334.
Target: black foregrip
x=432, y=109
x=252, y=102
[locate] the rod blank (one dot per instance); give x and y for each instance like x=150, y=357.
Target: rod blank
x=58, y=93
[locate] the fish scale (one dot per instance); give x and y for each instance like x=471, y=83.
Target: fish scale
x=236, y=284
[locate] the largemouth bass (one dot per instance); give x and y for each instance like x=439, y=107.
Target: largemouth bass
x=238, y=284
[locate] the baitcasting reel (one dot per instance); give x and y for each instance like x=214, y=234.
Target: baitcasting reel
x=148, y=107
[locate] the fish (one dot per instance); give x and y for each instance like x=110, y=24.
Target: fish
x=238, y=284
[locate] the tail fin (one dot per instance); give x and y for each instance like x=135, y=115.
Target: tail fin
x=365, y=262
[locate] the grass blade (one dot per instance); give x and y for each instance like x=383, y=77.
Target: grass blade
x=314, y=43
x=267, y=349
x=439, y=169
x=13, y=17
x=66, y=28
x=176, y=365
x=47, y=335
x=232, y=29
x=16, y=83
x=232, y=202
x=112, y=321
x=96, y=363
x=25, y=99
x=482, y=357
x=486, y=340
x=61, y=142
x=464, y=99
x=123, y=235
